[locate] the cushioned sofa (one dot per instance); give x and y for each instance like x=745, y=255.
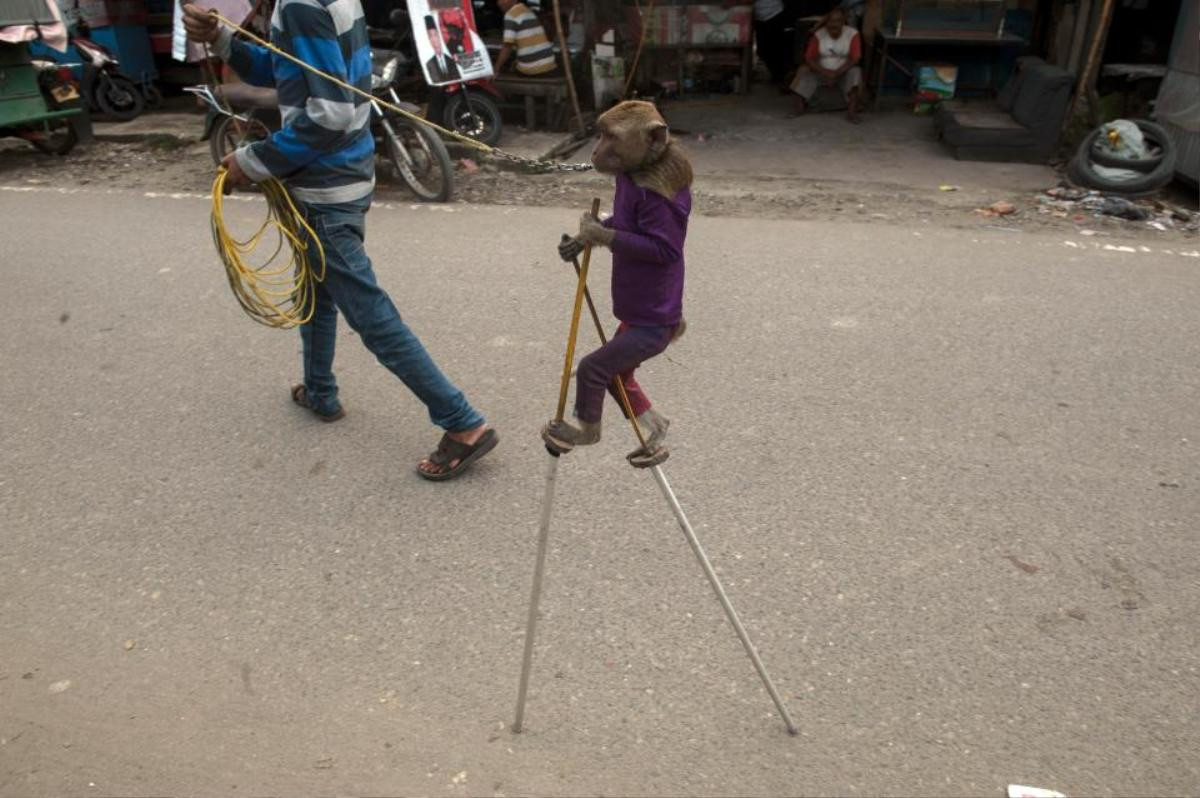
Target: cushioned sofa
x=1022, y=125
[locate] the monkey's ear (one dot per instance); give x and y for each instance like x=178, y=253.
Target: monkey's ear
x=660, y=137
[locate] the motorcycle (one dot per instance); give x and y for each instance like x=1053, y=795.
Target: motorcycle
x=106, y=89
x=414, y=152
x=463, y=107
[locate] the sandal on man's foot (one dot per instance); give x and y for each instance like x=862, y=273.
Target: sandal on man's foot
x=640, y=458
x=300, y=397
x=449, y=450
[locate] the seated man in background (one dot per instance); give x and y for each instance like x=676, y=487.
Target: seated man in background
x=524, y=34
x=832, y=59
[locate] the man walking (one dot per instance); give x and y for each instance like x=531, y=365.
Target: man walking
x=325, y=154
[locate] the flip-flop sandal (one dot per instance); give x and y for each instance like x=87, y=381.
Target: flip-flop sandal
x=300, y=397
x=449, y=450
x=639, y=458
x=556, y=445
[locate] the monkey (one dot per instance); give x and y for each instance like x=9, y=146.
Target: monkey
x=646, y=233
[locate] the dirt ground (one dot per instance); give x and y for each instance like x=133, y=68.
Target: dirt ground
x=752, y=161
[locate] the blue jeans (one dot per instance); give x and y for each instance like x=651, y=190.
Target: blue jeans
x=350, y=286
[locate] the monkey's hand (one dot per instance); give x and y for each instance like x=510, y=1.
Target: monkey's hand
x=569, y=248
x=592, y=233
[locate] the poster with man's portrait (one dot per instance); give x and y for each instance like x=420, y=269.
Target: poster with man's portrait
x=448, y=46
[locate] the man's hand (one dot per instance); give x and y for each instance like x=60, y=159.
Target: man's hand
x=591, y=232
x=236, y=177
x=201, y=25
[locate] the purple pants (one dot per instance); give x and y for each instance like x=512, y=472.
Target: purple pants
x=620, y=357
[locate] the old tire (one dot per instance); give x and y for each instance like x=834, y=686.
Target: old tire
x=1152, y=132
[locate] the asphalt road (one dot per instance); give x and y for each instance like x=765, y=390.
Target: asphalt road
x=949, y=478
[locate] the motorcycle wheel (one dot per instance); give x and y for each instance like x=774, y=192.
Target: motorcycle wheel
x=420, y=159
x=57, y=140
x=229, y=134
x=118, y=97
x=480, y=119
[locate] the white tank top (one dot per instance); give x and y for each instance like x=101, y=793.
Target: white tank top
x=834, y=52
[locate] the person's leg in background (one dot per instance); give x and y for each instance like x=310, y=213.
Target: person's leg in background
x=851, y=86
x=804, y=86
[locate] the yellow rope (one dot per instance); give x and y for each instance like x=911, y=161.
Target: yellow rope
x=276, y=293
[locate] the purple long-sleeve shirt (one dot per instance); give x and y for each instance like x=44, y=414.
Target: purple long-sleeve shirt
x=647, y=264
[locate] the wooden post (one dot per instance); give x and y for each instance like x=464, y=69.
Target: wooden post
x=1087, y=78
x=566, y=60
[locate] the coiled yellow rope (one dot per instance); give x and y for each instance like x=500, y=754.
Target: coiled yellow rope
x=281, y=291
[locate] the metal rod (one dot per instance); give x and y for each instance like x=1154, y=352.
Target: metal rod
x=730, y=612
x=538, y=572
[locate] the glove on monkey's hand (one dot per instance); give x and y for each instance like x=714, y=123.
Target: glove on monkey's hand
x=594, y=233
x=569, y=249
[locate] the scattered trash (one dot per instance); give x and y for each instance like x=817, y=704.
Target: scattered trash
x=1000, y=208
x=1123, y=209
x=1156, y=214
x=129, y=644
x=460, y=778
x=61, y=687
x=947, y=187
x=1020, y=791
x=468, y=165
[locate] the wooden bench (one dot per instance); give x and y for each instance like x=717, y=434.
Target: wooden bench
x=553, y=90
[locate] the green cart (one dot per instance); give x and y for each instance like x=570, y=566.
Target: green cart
x=38, y=102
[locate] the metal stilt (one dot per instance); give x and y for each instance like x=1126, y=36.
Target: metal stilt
x=538, y=571
x=730, y=612
x=582, y=293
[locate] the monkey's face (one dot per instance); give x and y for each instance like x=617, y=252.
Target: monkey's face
x=614, y=151
x=632, y=135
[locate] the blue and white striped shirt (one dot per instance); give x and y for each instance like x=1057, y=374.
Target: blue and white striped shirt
x=324, y=152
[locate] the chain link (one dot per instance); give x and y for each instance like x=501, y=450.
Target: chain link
x=540, y=164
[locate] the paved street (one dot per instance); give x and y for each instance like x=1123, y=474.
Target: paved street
x=949, y=478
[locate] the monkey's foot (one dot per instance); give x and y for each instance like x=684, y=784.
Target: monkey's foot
x=654, y=426
x=643, y=458
x=561, y=437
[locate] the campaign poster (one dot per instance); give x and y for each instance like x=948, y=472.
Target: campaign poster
x=448, y=46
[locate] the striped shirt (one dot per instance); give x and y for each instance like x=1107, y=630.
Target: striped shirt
x=522, y=30
x=324, y=152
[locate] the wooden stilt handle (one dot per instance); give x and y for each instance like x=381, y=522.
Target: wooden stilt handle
x=573, y=335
